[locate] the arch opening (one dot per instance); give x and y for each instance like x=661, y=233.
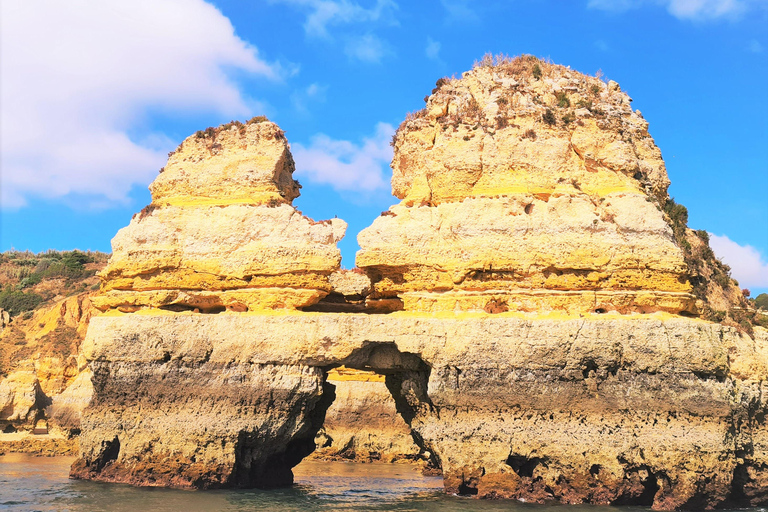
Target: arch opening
x=371, y=404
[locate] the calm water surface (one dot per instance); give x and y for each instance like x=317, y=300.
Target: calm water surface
x=40, y=483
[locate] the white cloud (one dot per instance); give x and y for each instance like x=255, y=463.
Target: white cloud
x=433, y=49
x=77, y=77
x=459, y=11
x=326, y=13
x=345, y=165
x=700, y=10
x=748, y=266
x=367, y=48
x=755, y=46
x=602, y=45
x=312, y=94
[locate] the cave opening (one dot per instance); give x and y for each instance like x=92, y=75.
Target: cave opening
x=371, y=402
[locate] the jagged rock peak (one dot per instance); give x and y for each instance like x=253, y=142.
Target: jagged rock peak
x=221, y=232
x=526, y=186
x=248, y=163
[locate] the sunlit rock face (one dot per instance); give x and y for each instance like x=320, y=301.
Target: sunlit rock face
x=526, y=190
x=221, y=232
x=547, y=350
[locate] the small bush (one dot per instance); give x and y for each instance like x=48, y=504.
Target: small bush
x=562, y=100
x=440, y=82
x=584, y=104
x=529, y=134
x=75, y=260
x=568, y=118
x=549, y=117
x=721, y=279
x=595, y=89
x=15, y=301
x=677, y=213
x=703, y=235
x=536, y=71
x=761, y=301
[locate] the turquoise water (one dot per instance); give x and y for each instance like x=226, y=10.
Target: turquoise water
x=38, y=483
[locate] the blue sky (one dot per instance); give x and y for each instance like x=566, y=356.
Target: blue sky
x=94, y=94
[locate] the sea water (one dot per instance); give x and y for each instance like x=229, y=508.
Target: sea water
x=29, y=483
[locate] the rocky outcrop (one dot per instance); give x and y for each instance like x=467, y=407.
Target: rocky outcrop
x=528, y=192
x=221, y=232
x=46, y=377
x=655, y=410
x=548, y=348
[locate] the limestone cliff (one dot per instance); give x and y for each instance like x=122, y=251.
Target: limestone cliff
x=548, y=348
x=43, y=375
x=221, y=232
x=529, y=187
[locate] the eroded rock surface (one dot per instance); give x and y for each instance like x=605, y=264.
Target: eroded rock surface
x=221, y=232
x=362, y=423
x=548, y=348
x=527, y=193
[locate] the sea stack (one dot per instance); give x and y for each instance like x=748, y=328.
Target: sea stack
x=527, y=190
x=538, y=311
x=221, y=232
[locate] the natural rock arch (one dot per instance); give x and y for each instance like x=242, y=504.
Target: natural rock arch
x=538, y=353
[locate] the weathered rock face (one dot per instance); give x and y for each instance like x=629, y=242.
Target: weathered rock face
x=541, y=354
x=46, y=378
x=221, y=232
x=527, y=193
x=653, y=410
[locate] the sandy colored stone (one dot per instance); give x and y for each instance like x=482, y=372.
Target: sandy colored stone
x=67, y=407
x=235, y=163
x=221, y=231
x=19, y=395
x=548, y=348
x=487, y=395
x=496, y=202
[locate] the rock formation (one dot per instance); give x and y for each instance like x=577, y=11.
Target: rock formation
x=528, y=194
x=221, y=232
x=548, y=349
x=45, y=377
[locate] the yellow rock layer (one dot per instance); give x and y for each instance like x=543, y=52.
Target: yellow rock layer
x=221, y=232
x=235, y=164
x=512, y=185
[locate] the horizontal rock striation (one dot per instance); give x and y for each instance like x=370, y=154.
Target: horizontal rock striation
x=221, y=232
x=548, y=350
x=658, y=411
x=527, y=191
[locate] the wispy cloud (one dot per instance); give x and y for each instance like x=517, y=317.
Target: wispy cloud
x=323, y=14
x=366, y=48
x=459, y=11
x=601, y=45
x=755, y=46
x=432, y=50
x=76, y=81
x=699, y=10
x=313, y=93
x=748, y=266
x=345, y=165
